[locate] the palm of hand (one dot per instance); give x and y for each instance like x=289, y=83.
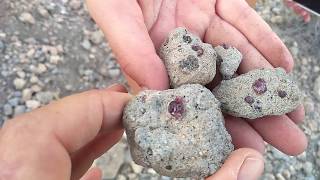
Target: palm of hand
x=144, y=24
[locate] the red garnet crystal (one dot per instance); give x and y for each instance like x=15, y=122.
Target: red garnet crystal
x=259, y=86
x=176, y=107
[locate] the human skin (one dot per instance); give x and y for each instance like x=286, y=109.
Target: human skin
x=136, y=28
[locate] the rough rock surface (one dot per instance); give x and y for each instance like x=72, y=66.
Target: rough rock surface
x=229, y=58
x=259, y=93
x=187, y=59
x=177, y=132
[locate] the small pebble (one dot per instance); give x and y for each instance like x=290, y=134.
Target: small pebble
x=7, y=109
x=19, y=83
x=27, y=18
x=2, y=46
x=307, y=168
x=86, y=44
x=43, y=12
x=96, y=37
x=26, y=94
x=32, y=104
x=114, y=73
x=75, y=4
x=19, y=110
x=44, y=97
x=14, y=101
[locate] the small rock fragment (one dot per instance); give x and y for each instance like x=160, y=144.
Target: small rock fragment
x=7, y=109
x=259, y=93
x=27, y=18
x=178, y=132
x=19, y=110
x=19, y=83
x=26, y=94
x=96, y=37
x=229, y=58
x=43, y=11
x=32, y=104
x=188, y=60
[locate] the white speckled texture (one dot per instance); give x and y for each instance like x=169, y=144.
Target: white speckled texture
x=194, y=144
x=230, y=59
x=238, y=97
x=188, y=60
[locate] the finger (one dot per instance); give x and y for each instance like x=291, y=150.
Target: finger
x=83, y=159
x=241, y=164
x=130, y=41
x=243, y=135
x=297, y=116
x=240, y=15
x=93, y=174
x=117, y=87
x=282, y=133
x=65, y=126
x=220, y=32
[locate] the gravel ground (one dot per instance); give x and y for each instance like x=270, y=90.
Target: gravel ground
x=44, y=41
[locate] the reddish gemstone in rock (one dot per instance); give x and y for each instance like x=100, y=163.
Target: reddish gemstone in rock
x=259, y=86
x=198, y=49
x=249, y=100
x=176, y=107
x=225, y=46
x=282, y=94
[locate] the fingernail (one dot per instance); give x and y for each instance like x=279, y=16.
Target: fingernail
x=251, y=169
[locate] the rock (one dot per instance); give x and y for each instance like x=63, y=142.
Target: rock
x=268, y=176
x=19, y=110
x=307, y=168
x=32, y=104
x=114, y=73
x=34, y=79
x=36, y=88
x=111, y=161
x=19, y=83
x=187, y=59
x=7, y=109
x=27, y=18
x=280, y=177
x=136, y=168
x=75, y=4
x=86, y=44
x=2, y=46
x=316, y=88
x=41, y=68
x=96, y=37
x=44, y=97
x=26, y=94
x=121, y=177
x=43, y=11
x=259, y=93
x=14, y=101
x=177, y=132
x=229, y=58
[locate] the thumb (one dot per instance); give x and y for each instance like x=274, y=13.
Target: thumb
x=242, y=164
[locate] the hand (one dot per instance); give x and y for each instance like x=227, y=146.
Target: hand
x=61, y=140
x=136, y=28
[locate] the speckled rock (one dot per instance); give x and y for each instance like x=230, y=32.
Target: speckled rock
x=259, y=93
x=188, y=60
x=177, y=132
x=229, y=59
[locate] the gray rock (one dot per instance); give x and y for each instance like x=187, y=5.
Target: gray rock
x=32, y=104
x=316, y=88
x=27, y=18
x=75, y=4
x=43, y=11
x=14, y=101
x=44, y=97
x=19, y=83
x=178, y=132
x=307, y=168
x=86, y=44
x=2, y=46
x=96, y=37
x=230, y=59
x=259, y=93
x=114, y=73
x=187, y=59
x=19, y=110
x=7, y=109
